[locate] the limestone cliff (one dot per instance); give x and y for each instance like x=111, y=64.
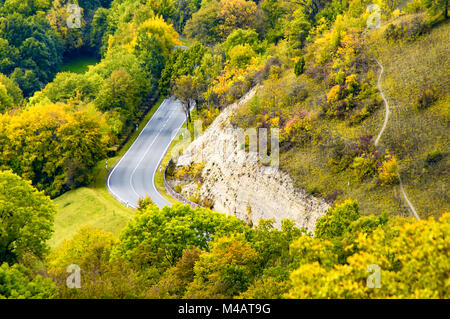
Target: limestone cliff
x=238, y=184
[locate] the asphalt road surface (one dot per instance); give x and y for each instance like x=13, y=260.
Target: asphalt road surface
x=133, y=177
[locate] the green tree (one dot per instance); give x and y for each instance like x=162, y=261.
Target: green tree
x=337, y=220
x=299, y=66
x=273, y=244
x=27, y=81
x=26, y=219
x=30, y=44
x=184, y=11
x=99, y=27
x=241, y=56
x=204, y=25
x=157, y=237
x=17, y=282
x=12, y=90
x=297, y=29
x=9, y=56
x=151, y=56
x=119, y=92
x=241, y=37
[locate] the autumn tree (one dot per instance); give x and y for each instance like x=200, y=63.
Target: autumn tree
x=175, y=281
x=166, y=37
x=54, y=145
x=217, y=19
x=101, y=275
x=409, y=268
x=58, y=16
x=236, y=14
x=226, y=270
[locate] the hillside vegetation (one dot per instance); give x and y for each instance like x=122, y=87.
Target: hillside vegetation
x=316, y=64
x=330, y=115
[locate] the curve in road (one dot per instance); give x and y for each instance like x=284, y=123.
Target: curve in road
x=133, y=177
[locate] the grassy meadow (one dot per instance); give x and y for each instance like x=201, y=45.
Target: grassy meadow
x=79, y=65
x=94, y=205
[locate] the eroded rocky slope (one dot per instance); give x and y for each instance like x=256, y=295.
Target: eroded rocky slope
x=237, y=183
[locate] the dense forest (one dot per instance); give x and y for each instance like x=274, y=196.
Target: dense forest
x=316, y=65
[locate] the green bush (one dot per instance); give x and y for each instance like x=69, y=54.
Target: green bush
x=427, y=97
x=299, y=66
x=433, y=157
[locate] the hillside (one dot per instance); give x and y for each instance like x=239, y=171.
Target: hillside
x=314, y=147
x=318, y=147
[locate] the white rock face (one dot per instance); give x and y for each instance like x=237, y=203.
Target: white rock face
x=240, y=185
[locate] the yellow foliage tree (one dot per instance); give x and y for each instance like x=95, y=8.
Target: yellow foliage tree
x=412, y=257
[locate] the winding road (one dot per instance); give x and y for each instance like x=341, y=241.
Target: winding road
x=133, y=177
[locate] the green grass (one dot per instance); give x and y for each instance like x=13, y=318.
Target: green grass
x=94, y=205
x=79, y=64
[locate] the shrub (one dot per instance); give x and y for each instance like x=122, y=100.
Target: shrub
x=337, y=220
x=191, y=172
x=341, y=98
x=388, y=172
x=299, y=66
x=427, y=96
x=178, y=188
x=433, y=157
x=394, y=32
x=208, y=203
x=241, y=56
x=143, y=203
x=370, y=106
x=366, y=159
x=410, y=30
x=415, y=6
x=299, y=129
x=364, y=166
